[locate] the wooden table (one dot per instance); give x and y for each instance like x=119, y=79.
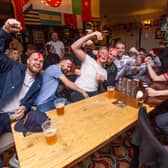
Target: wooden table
x=85, y=127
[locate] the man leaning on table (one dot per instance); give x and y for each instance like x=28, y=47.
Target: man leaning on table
x=19, y=84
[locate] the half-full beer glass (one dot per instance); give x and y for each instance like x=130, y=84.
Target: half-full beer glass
x=59, y=104
x=49, y=129
x=110, y=91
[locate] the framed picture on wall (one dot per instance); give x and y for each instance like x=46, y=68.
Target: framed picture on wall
x=159, y=34
x=38, y=37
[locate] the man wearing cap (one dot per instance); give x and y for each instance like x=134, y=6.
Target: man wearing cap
x=19, y=84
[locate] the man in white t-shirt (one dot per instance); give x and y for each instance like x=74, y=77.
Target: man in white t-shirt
x=92, y=71
x=57, y=44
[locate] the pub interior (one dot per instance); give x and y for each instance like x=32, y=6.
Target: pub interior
x=83, y=84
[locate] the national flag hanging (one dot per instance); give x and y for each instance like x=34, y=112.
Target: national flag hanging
x=70, y=12
x=90, y=10
x=72, y=20
x=27, y=6
x=40, y=17
x=50, y=18
x=18, y=11
x=86, y=10
x=66, y=6
x=32, y=17
x=95, y=9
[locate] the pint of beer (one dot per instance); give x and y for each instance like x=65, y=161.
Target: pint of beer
x=59, y=104
x=110, y=91
x=49, y=129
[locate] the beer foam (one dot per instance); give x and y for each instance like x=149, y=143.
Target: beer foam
x=50, y=131
x=59, y=105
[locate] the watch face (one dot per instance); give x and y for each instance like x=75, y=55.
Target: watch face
x=139, y=94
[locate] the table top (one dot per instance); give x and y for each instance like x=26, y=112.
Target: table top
x=85, y=127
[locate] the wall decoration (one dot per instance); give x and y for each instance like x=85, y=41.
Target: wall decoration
x=38, y=37
x=159, y=34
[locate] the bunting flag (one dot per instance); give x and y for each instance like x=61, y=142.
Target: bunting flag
x=18, y=8
x=27, y=6
x=86, y=10
x=67, y=6
x=50, y=18
x=70, y=12
x=32, y=17
x=40, y=17
x=95, y=9
x=90, y=10
x=72, y=20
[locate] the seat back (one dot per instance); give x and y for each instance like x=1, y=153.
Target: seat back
x=151, y=152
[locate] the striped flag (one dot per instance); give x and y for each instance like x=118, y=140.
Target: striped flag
x=32, y=17
x=40, y=17
x=95, y=9
x=27, y=6
x=50, y=18
x=71, y=12
x=67, y=6
x=72, y=20
x=90, y=10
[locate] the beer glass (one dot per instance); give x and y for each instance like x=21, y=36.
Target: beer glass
x=49, y=128
x=110, y=91
x=59, y=104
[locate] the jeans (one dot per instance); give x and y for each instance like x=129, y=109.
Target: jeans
x=49, y=104
x=4, y=123
x=162, y=122
x=76, y=96
x=1, y=163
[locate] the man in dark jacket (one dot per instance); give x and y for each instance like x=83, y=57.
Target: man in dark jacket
x=19, y=84
x=111, y=68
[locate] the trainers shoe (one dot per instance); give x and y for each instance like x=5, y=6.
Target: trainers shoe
x=13, y=162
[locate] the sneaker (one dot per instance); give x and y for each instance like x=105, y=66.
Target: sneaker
x=13, y=162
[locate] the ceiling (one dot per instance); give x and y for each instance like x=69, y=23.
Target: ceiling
x=120, y=11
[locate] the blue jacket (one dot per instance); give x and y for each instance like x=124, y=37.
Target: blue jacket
x=12, y=75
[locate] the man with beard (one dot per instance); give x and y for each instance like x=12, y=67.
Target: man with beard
x=92, y=72
x=51, y=77
x=19, y=84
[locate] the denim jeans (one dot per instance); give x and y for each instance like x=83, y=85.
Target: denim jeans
x=76, y=96
x=162, y=122
x=4, y=123
x=49, y=104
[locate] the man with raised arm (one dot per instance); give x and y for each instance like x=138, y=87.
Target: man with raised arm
x=19, y=84
x=92, y=71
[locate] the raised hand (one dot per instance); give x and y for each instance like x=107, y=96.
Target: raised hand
x=12, y=25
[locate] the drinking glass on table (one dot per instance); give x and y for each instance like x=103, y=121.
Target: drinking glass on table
x=49, y=128
x=110, y=91
x=59, y=104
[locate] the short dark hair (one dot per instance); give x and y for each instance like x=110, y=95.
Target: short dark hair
x=143, y=50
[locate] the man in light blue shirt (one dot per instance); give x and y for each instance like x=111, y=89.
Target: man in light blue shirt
x=51, y=77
